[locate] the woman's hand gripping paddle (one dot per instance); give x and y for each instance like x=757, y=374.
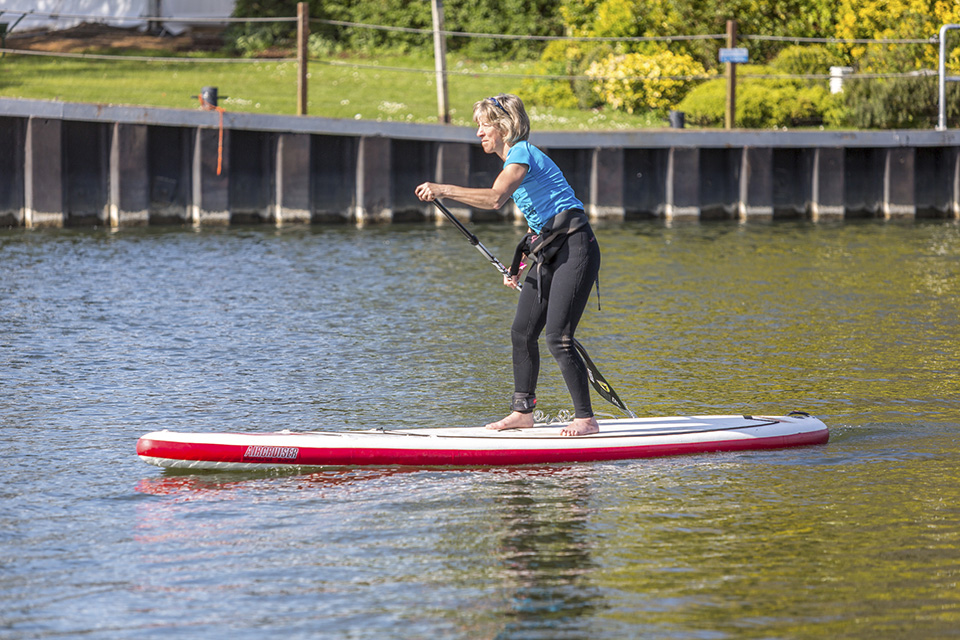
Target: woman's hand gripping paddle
x=596, y=379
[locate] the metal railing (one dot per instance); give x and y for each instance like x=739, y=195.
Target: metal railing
x=943, y=78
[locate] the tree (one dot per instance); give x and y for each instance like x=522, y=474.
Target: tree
x=894, y=19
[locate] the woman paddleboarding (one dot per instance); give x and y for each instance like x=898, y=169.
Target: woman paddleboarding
x=562, y=250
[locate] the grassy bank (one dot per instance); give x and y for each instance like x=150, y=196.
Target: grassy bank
x=365, y=88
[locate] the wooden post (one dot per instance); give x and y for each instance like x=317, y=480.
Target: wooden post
x=303, y=35
x=440, y=61
x=154, y=26
x=43, y=175
x=731, y=115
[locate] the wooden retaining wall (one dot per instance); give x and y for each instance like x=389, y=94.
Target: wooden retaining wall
x=66, y=164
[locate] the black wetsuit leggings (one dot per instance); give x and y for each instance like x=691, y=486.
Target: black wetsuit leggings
x=567, y=282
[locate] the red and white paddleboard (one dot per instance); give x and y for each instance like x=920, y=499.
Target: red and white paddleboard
x=618, y=439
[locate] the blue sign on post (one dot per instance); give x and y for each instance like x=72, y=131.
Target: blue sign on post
x=736, y=55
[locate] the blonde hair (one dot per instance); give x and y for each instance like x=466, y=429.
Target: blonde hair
x=505, y=111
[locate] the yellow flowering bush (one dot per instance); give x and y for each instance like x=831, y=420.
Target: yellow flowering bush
x=644, y=82
x=884, y=19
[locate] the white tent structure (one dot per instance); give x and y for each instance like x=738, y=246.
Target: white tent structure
x=30, y=15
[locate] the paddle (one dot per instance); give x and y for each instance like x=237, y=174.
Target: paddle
x=596, y=378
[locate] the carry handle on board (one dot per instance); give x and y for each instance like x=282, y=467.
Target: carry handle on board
x=596, y=378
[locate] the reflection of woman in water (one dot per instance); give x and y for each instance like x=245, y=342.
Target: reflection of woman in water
x=545, y=551
x=561, y=246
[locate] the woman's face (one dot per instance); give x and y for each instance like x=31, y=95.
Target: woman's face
x=491, y=139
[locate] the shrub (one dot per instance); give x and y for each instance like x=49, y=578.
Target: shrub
x=533, y=17
x=256, y=39
x=636, y=81
x=520, y=17
x=319, y=46
x=805, y=59
x=706, y=104
x=548, y=93
x=565, y=59
x=762, y=103
x=252, y=38
x=905, y=102
x=897, y=103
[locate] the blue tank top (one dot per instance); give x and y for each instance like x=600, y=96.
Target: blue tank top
x=544, y=191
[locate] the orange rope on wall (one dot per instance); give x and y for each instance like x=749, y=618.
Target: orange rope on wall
x=209, y=107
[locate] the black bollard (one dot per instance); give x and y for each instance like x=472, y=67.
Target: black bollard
x=209, y=95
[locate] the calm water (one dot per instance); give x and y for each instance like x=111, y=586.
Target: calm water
x=106, y=336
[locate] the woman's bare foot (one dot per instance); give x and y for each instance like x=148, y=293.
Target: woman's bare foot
x=581, y=427
x=515, y=420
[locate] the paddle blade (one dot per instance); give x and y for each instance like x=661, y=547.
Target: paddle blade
x=600, y=383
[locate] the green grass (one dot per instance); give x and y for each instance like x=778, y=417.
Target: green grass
x=368, y=88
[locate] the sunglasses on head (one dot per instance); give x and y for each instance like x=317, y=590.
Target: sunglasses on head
x=497, y=104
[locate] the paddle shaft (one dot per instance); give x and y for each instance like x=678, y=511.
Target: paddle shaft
x=475, y=241
x=596, y=378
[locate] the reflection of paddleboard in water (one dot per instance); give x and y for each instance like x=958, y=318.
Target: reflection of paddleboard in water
x=618, y=439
